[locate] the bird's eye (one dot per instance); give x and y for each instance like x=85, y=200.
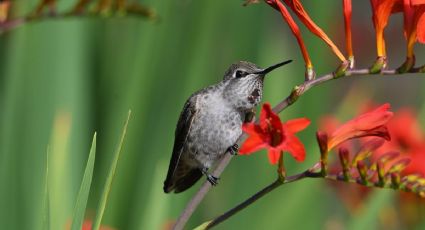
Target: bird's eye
x=240, y=73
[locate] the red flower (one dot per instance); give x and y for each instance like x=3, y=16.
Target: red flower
x=406, y=137
x=407, y=142
x=369, y=124
x=274, y=135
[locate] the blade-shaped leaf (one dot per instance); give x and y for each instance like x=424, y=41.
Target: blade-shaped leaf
x=83, y=194
x=107, y=188
x=202, y=226
x=46, y=203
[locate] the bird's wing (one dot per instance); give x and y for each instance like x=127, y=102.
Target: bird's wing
x=182, y=131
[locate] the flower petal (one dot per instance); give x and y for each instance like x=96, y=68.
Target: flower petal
x=269, y=118
x=296, y=125
x=295, y=147
x=251, y=128
x=421, y=27
x=252, y=144
x=417, y=2
x=347, y=22
x=274, y=155
x=265, y=114
x=294, y=29
x=382, y=12
x=299, y=10
x=368, y=124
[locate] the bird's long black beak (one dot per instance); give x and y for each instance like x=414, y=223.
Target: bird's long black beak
x=271, y=68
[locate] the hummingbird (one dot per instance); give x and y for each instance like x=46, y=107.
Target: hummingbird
x=211, y=122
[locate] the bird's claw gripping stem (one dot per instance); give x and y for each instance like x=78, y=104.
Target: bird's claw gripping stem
x=210, y=178
x=233, y=150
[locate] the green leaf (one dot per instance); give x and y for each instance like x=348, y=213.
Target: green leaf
x=156, y=207
x=46, y=203
x=105, y=193
x=83, y=194
x=202, y=226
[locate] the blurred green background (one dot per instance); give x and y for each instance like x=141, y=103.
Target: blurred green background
x=62, y=80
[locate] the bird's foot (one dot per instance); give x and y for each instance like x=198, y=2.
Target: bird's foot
x=379, y=65
x=233, y=150
x=210, y=178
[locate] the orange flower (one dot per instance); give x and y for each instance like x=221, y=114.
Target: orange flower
x=294, y=28
x=347, y=23
x=414, y=23
x=299, y=10
x=382, y=9
x=369, y=124
x=274, y=135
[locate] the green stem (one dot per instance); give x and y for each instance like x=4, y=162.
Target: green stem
x=281, y=172
x=277, y=183
x=245, y=203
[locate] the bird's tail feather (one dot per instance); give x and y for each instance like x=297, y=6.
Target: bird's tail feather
x=180, y=182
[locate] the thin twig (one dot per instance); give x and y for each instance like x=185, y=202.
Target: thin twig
x=277, y=183
x=295, y=94
x=244, y=204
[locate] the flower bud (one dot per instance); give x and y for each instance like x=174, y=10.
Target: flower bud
x=344, y=158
